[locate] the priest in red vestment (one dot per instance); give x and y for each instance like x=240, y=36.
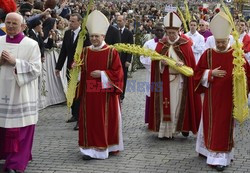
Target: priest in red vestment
x=100, y=86
x=213, y=77
x=174, y=107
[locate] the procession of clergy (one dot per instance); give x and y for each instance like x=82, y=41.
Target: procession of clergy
x=201, y=103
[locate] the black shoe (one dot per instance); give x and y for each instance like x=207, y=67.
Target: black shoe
x=220, y=168
x=185, y=134
x=201, y=155
x=76, y=126
x=72, y=119
x=166, y=138
x=10, y=171
x=86, y=157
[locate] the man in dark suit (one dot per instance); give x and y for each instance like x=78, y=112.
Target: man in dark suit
x=69, y=44
x=35, y=30
x=113, y=35
x=67, y=51
x=126, y=37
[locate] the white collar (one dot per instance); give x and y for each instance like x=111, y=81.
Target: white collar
x=243, y=35
x=122, y=28
x=98, y=47
x=190, y=33
x=35, y=32
x=77, y=30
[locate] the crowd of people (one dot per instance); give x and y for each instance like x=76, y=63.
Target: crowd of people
x=38, y=43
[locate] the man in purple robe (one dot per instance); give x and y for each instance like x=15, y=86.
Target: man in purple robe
x=204, y=31
x=20, y=66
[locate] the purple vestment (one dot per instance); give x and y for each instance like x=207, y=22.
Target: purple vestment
x=206, y=34
x=147, y=108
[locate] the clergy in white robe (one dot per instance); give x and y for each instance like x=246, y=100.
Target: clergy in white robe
x=198, y=46
x=20, y=66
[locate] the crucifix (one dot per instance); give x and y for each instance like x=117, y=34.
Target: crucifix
x=6, y=99
x=166, y=102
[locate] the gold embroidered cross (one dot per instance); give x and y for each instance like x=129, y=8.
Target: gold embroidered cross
x=166, y=102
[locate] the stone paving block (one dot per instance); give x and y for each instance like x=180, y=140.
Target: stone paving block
x=56, y=150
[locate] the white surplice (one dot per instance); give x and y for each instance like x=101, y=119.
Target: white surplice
x=146, y=62
x=19, y=84
x=198, y=46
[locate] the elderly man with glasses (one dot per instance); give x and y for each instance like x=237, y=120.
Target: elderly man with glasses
x=204, y=31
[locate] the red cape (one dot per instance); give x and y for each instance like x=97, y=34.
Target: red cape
x=189, y=117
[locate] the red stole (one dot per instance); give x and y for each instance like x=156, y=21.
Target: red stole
x=98, y=116
x=218, y=122
x=190, y=105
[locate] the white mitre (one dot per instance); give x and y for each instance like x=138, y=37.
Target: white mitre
x=172, y=21
x=220, y=26
x=97, y=23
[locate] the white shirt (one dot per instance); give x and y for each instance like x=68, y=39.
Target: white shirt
x=198, y=46
x=121, y=29
x=35, y=32
x=76, y=32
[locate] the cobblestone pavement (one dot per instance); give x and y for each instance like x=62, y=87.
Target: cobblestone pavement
x=56, y=151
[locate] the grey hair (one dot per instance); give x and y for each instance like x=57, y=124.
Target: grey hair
x=21, y=19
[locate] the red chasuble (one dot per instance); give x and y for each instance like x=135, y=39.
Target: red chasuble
x=190, y=111
x=98, y=116
x=218, y=122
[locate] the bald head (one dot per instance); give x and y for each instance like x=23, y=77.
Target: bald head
x=203, y=25
x=13, y=23
x=15, y=15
